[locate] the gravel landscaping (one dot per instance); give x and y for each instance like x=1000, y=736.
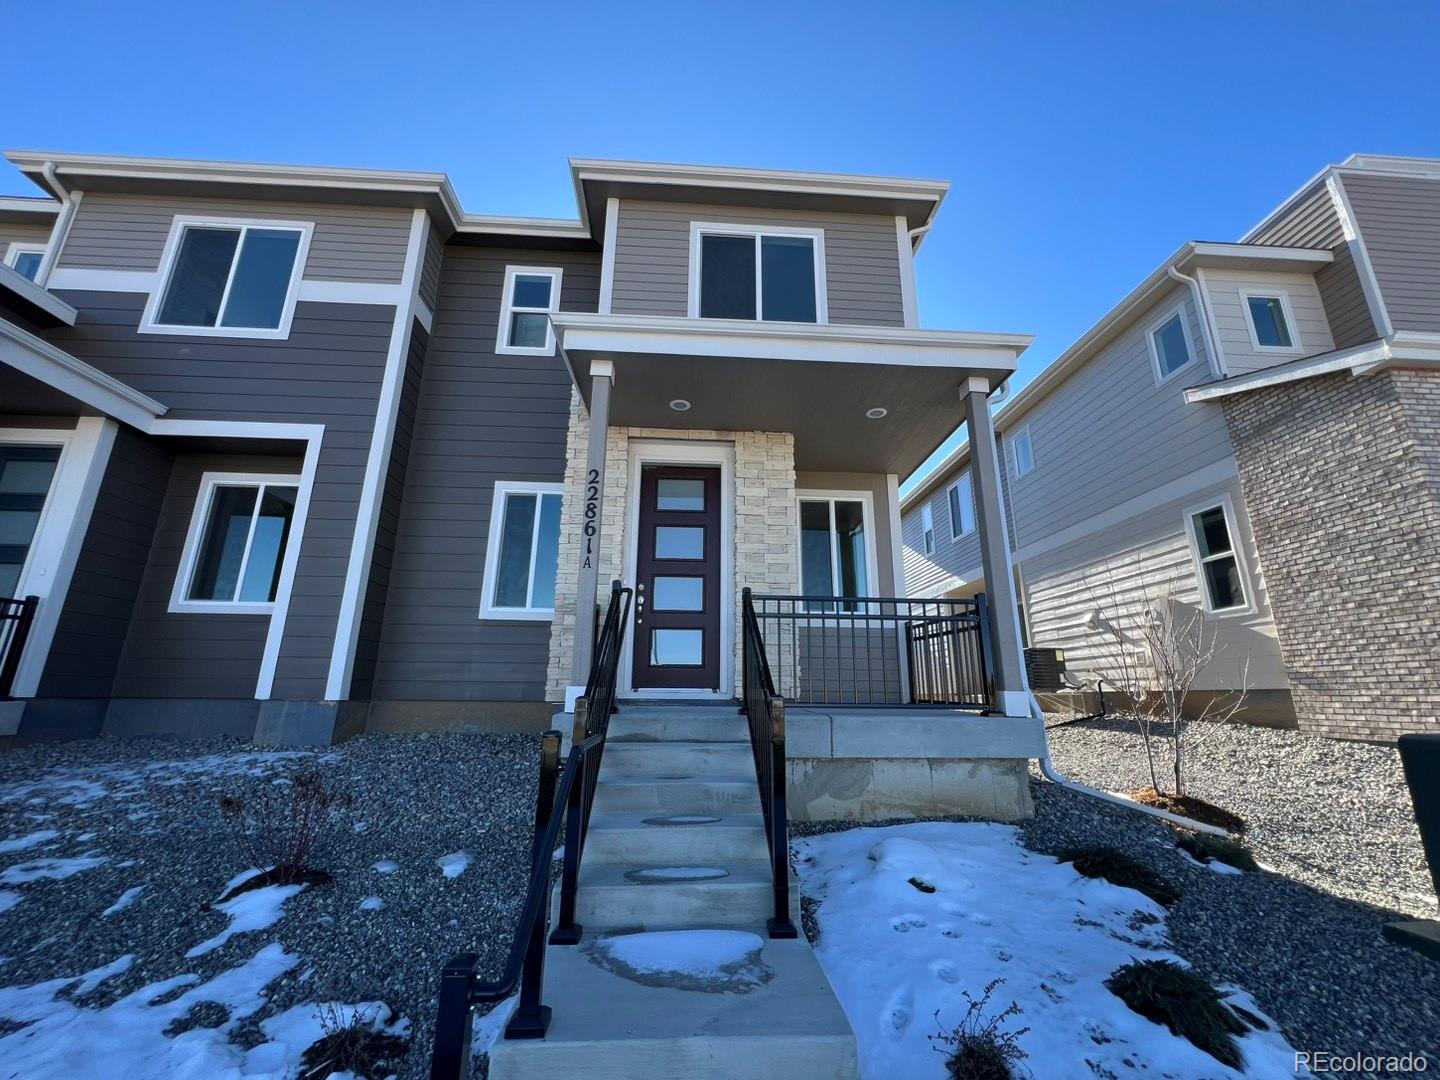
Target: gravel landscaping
x=1334, y=815
x=135, y=826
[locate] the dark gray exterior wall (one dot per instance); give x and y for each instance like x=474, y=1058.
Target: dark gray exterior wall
x=1399, y=219
x=481, y=417
x=652, y=259
x=327, y=372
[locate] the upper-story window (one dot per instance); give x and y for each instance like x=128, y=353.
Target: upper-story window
x=927, y=526
x=531, y=294
x=1212, y=543
x=229, y=278
x=1270, y=321
x=772, y=274
x=1024, y=452
x=1170, y=347
x=962, y=507
x=25, y=259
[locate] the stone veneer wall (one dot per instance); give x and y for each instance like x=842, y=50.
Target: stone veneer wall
x=766, y=542
x=1341, y=476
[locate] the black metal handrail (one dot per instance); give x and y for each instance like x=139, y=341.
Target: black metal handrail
x=16, y=618
x=878, y=650
x=766, y=712
x=565, y=795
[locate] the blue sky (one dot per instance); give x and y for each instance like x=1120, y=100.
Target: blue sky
x=1085, y=141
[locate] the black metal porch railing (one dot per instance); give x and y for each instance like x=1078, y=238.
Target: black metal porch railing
x=16, y=617
x=565, y=796
x=882, y=650
x=765, y=711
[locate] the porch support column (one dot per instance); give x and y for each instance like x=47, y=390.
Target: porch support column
x=602, y=374
x=1007, y=663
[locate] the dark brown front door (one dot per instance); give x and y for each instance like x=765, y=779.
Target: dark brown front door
x=677, y=579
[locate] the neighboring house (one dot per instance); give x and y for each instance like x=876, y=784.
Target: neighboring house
x=1254, y=429
x=294, y=451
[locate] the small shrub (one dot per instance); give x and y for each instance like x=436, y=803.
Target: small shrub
x=978, y=1048
x=280, y=827
x=1166, y=993
x=1204, y=847
x=351, y=1044
x=1120, y=869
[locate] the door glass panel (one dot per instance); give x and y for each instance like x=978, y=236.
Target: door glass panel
x=679, y=542
x=816, y=576
x=26, y=477
x=679, y=594
x=18, y=526
x=677, y=648
x=217, y=571
x=850, y=544
x=676, y=494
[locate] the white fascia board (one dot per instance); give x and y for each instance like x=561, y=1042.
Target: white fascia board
x=1358, y=359
x=27, y=290
x=724, y=176
x=41, y=360
x=42, y=207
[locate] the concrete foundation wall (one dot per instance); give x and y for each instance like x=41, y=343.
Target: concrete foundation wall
x=837, y=789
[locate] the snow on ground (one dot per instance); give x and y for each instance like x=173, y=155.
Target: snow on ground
x=371, y=903
x=898, y=953
x=486, y=1030
x=81, y=786
x=257, y=909
x=24, y=843
x=59, y=869
x=8, y=899
x=386, y=866
x=454, y=864
x=688, y=952
x=126, y=899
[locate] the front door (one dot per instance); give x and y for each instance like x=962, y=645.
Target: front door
x=25, y=475
x=677, y=579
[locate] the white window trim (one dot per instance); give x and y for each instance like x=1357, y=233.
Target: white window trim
x=507, y=308
x=1015, y=472
x=927, y=529
x=872, y=570
x=1237, y=546
x=503, y=490
x=1246, y=294
x=148, y=321
x=955, y=532
x=720, y=228
x=1178, y=311
x=23, y=247
x=195, y=535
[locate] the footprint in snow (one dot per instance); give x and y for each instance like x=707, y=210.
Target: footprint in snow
x=899, y=1012
x=979, y=919
x=905, y=923
x=1003, y=956
x=945, y=971
x=948, y=930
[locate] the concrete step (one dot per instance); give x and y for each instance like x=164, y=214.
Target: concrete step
x=788, y=1027
x=668, y=795
x=656, y=896
x=677, y=839
x=697, y=760
x=700, y=723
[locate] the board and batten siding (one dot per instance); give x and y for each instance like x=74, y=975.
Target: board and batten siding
x=327, y=372
x=1399, y=219
x=128, y=232
x=1311, y=332
x=652, y=259
x=1122, y=571
x=1107, y=433
x=481, y=417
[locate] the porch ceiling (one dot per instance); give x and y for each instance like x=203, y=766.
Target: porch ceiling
x=816, y=382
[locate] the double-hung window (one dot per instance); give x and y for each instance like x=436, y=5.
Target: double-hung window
x=25, y=259
x=523, y=553
x=236, y=545
x=1024, y=452
x=927, y=525
x=1212, y=542
x=770, y=274
x=962, y=507
x=835, y=558
x=229, y=278
x=531, y=294
x=1271, y=323
x=1170, y=348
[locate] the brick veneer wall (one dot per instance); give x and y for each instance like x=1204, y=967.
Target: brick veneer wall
x=1341, y=476
x=766, y=529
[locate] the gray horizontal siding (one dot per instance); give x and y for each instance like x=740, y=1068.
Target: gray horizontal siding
x=1346, y=308
x=652, y=258
x=1314, y=222
x=20, y=232
x=95, y=620
x=1107, y=433
x=926, y=575
x=1312, y=329
x=327, y=372
x=1399, y=219
x=480, y=417
x=190, y=655
x=430, y=267
x=128, y=232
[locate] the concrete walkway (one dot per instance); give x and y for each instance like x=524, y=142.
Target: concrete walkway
x=674, y=976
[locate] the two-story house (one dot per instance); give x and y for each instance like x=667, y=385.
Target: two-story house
x=1251, y=431
x=292, y=452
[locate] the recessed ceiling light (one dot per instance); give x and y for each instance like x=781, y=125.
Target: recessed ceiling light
x=680, y=405
x=876, y=413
